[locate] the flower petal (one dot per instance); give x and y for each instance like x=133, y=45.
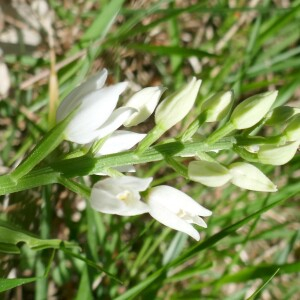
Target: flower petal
x=114, y=196
x=72, y=100
x=116, y=119
x=145, y=101
x=175, y=200
x=166, y=217
x=120, y=140
x=135, y=183
x=94, y=111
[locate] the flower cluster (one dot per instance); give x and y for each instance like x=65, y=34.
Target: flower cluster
x=97, y=119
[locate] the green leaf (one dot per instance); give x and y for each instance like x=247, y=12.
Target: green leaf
x=170, y=50
x=262, y=287
x=7, y=284
x=103, y=22
x=260, y=271
x=11, y=238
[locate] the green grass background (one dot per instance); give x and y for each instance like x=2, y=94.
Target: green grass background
x=251, y=248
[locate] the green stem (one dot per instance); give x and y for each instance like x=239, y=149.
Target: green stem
x=87, y=165
x=243, y=153
x=76, y=187
x=177, y=166
x=151, y=137
x=219, y=133
x=194, y=126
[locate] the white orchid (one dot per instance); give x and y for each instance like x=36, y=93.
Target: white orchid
x=96, y=115
x=120, y=196
x=176, y=210
x=166, y=204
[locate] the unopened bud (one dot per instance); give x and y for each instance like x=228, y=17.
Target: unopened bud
x=217, y=106
x=208, y=173
x=292, y=131
x=252, y=110
x=281, y=114
x=176, y=106
x=268, y=154
x=249, y=177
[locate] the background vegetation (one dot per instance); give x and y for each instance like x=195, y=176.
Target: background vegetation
x=251, y=247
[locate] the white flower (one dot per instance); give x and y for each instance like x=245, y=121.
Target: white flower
x=96, y=116
x=176, y=210
x=119, y=141
x=169, y=206
x=120, y=196
x=145, y=102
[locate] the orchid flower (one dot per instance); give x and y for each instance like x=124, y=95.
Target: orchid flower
x=166, y=204
x=96, y=115
x=176, y=210
x=120, y=196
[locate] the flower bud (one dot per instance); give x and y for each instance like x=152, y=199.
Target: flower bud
x=208, y=173
x=268, y=154
x=292, y=131
x=217, y=106
x=281, y=114
x=252, y=110
x=247, y=176
x=145, y=102
x=176, y=106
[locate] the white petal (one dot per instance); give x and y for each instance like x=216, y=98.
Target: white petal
x=166, y=217
x=94, y=111
x=120, y=140
x=106, y=202
x=176, y=200
x=135, y=183
x=115, y=196
x=249, y=177
x=145, y=101
x=116, y=119
x=195, y=220
x=72, y=100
